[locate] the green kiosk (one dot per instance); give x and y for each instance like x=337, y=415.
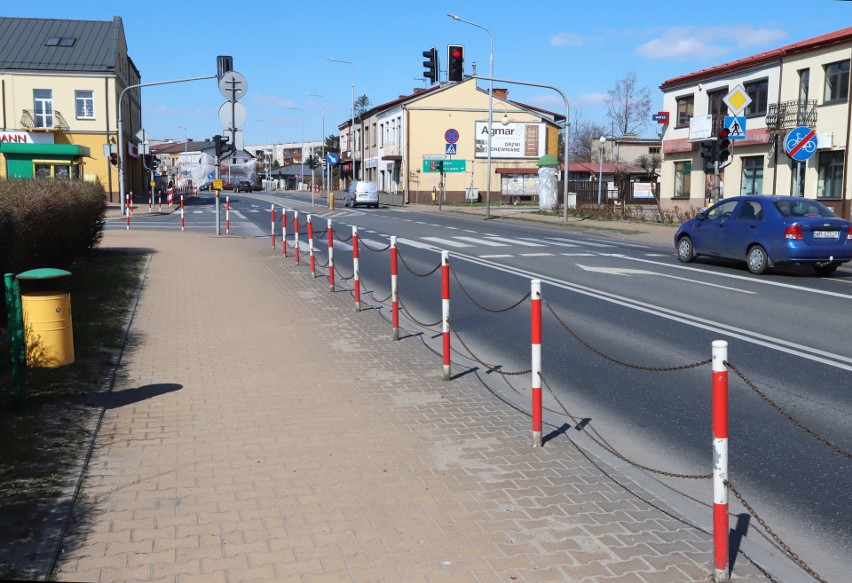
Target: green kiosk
x=43, y=160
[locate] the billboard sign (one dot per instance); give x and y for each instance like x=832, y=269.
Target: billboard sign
x=513, y=140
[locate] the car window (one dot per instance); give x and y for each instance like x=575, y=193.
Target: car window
x=750, y=210
x=722, y=211
x=809, y=208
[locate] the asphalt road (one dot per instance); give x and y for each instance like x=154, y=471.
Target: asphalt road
x=633, y=302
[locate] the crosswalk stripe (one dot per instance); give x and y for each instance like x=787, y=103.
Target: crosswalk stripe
x=448, y=242
x=536, y=254
x=518, y=242
x=482, y=241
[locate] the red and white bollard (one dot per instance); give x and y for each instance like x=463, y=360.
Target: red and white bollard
x=394, y=292
x=170, y=193
x=311, y=246
x=535, y=309
x=182, y=223
x=330, y=257
x=272, y=210
x=150, y=202
x=356, y=277
x=720, y=460
x=227, y=215
x=284, y=231
x=445, y=309
x=296, y=235
x=160, y=200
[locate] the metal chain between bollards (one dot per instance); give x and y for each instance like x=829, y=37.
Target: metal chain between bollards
x=368, y=248
x=490, y=367
x=320, y=234
x=485, y=308
x=837, y=449
x=342, y=277
x=320, y=263
x=620, y=362
x=412, y=318
x=774, y=536
x=341, y=239
x=373, y=295
x=611, y=450
x=402, y=259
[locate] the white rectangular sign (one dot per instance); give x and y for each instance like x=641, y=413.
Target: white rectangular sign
x=513, y=140
x=700, y=127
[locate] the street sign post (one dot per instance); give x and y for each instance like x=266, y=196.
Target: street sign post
x=332, y=158
x=800, y=143
x=449, y=166
x=451, y=136
x=736, y=126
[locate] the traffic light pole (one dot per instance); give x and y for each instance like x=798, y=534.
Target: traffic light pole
x=120, y=140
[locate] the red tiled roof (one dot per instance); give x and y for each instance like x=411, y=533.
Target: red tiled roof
x=811, y=44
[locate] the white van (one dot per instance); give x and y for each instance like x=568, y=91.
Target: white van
x=362, y=192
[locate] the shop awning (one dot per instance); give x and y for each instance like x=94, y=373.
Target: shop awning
x=68, y=150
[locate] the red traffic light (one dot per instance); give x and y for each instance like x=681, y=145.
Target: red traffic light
x=724, y=133
x=456, y=53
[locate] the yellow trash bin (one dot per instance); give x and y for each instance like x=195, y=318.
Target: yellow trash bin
x=48, y=333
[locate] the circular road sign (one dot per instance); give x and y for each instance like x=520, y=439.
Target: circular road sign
x=332, y=158
x=233, y=85
x=800, y=143
x=452, y=136
x=233, y=114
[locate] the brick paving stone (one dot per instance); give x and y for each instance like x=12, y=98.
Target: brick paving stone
x=303, y=444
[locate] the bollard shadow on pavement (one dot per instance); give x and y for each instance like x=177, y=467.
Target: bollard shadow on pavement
x=115, y=399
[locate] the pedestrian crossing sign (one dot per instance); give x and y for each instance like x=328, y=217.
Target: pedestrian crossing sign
x=736, y=126
x=450, y=149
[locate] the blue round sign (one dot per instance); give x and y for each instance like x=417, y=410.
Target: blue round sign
x=800, y=143
x=332, y=158
x=452, y=136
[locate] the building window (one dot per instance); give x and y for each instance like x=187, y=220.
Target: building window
x=43, y=106
x=715, y=102
x=683, y=171
x=797, y=180
x=830, y=175
x=837, y=81
x=85, y=104
x=685, y=106
x=653, y=149
x=759, y=93
x=752, y=175
x=56, y=170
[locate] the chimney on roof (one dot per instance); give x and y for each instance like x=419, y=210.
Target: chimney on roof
x=501, y=92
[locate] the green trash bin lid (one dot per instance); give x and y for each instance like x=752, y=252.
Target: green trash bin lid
x=43, y=273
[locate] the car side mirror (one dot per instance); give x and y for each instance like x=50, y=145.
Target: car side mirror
x=701, y=216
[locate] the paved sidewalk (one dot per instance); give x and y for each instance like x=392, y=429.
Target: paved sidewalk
x=262, y=430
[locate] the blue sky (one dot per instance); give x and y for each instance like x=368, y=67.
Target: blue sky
x=282, y=48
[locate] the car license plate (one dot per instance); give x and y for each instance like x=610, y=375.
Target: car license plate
x=826, y=234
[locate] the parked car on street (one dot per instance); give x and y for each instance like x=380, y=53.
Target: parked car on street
x=768, y=231
x=362, y=192
x=244, y=186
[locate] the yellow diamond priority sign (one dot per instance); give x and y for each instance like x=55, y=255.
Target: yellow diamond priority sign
x=737, y=100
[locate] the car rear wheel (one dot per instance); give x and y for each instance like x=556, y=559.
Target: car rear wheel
x=757, y=260
x=826, y=269
x=685, y=250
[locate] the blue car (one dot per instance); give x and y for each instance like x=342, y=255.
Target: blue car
x=768, y=231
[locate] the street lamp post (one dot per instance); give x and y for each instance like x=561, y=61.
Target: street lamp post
x=302, y=154
x=184, y=147
x=352, y=122
x=600, y=170
x=323, y=141
x=490, y=109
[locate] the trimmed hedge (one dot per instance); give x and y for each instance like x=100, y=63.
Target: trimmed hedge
x=48, y=223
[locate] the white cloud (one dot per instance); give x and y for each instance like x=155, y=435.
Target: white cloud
x=591, y=99
x=686, y=42
x=566, y=39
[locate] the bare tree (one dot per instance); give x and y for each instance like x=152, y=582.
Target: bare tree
x=628, y=106
x=581, y=135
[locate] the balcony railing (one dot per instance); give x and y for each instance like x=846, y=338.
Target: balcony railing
x=28, y=121
x=790, y=114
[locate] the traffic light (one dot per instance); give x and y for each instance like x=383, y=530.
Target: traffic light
x=723, y=145
x=113, y=159
x=439, y=166
x=313, y=162
x=224, y=64
x=709, y=151
x=430, y=65
x=222, y=146
x=455, y=62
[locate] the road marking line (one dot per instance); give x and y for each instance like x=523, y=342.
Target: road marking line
x=517, y=241
x=495, y=256
x=449, y=242
x=537, y=254
x=482, y=242
x=578, y=254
